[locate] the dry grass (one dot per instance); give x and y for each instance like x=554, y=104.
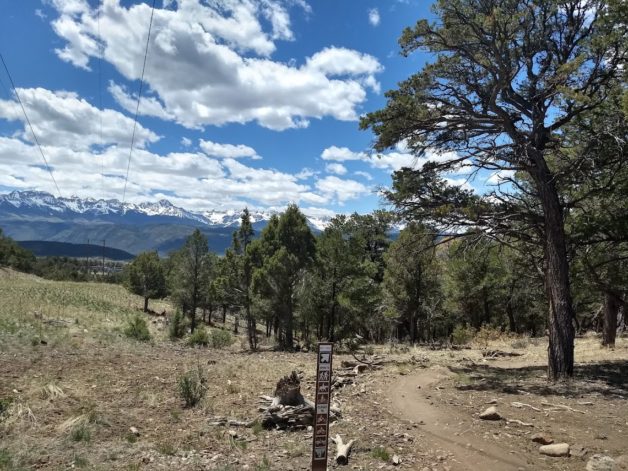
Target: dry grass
x=72, y=400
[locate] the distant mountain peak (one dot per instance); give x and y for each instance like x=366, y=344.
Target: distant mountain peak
x=43, y=204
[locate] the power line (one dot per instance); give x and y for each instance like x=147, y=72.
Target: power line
x=139, y=96
x=29, y=124
x=102, y=158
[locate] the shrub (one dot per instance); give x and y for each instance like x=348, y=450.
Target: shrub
x=80, y=433
x=461, y=335
x=488, y=334
x=178, y=326
x=221, y=338
x=199, y=337
x=521, y=342
x=380, y=453
x=193, y=386
x=137, y=328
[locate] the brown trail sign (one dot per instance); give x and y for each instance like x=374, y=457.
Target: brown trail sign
x=321, y=423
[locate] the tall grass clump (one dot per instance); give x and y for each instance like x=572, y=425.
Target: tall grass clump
x=221, y=338
x=178, y=326
x=200, y=337
x=193, y=386
x=137, y=329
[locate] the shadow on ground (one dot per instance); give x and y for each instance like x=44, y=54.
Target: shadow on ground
x=603, y=378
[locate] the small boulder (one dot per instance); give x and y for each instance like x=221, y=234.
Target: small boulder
x=490, y=414
x=556, y=449
x=396, y=461
x=134, y=431
x=600, y=463
x=542, y=439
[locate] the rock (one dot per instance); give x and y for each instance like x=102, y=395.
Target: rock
x=578, y=451
x=556, y=449
x=134, y=431
x=542, y=438
x=396, y=461
x=490, y=414
x=492, y=401
x=233, y=433
x=600, y=463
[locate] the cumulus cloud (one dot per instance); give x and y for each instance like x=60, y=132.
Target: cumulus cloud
x=389, y=161
x=210, y=178
x=214, y=149
x=63, y=119
x=209, y=62
x=374, y=17
x=341, y=154
x=362, y=174
x=340, y=190
x=338, y=169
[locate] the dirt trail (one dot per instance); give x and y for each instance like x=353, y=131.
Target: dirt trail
x=447, y=430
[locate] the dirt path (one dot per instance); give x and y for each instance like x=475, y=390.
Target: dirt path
x=447, y=430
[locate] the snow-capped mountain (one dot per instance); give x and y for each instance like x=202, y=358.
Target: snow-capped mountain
x=39, y=204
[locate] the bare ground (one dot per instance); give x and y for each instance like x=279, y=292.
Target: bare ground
x=69, y=403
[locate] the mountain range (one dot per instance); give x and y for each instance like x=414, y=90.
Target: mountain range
x=132, y=227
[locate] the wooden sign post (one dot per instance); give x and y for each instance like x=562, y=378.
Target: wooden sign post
x=322, y=404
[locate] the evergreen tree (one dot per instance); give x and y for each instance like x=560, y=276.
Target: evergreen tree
x=189, y=277
x=286, y=247
x=508, y=77
x=411, y=282
x=145, y=277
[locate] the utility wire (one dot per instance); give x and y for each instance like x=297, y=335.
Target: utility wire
x=102, y=158
x=29, y=124
x=139, y=96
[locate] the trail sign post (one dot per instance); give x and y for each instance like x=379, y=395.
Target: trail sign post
x=320, y=433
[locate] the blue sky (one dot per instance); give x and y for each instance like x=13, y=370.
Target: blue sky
x=247, y=102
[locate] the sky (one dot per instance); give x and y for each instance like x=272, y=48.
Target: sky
x=245, y=102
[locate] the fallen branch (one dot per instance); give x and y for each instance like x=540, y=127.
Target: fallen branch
x=556, y=407
x=520, y=405
x=342, y=449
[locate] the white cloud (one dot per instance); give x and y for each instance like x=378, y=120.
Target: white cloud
x=362, y=174
x=338, y=169
x=341, y=154
x=374, y=17
x=69, y=134
x=64, y=119
x=339, y=189
x=306, y=173
x=389, y=161
x=186, y=142
x=499, y=177
x=209, y=62
x=214, y=149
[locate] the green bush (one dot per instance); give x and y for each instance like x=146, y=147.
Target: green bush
x=462, y=335
x=178, y=326
x=199, y=337
x=221, y=338
x=380, y=453
x=193, y=386
x=137, y=328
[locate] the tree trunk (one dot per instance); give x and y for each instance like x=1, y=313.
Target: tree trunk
x=487, y=310
x=289, y=339
x=145, y=303
x=561, y=330
x=510, y=312
x=611, y=309
x=236, y=323
x=224, y=313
